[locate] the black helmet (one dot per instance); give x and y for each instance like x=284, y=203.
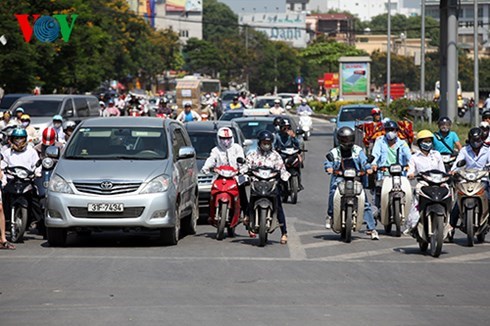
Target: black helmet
x=485, y=114
x=265, y=135
x=285, y=123
x=475, y=138
x=390, y=125
x=278, y=121
x=444, y=120
x=346, y=137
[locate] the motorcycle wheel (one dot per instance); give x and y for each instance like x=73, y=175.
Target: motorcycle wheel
x=348, y=224
x=437, y=237
x=294, y=189
x=223, y=213
x=397, y=218
x=262, y=227
x=461, y=113
x=18, y=224
x=305, y=136
x=388, y=229
x=480, y=238
x=284, y=192
x=423, y=245
x=469, y=218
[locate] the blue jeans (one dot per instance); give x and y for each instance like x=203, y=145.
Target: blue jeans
x=368, y=213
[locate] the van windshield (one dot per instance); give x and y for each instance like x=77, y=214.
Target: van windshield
x=39, y=108
x=113, y=143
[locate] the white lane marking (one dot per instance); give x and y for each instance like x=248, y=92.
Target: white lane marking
x=356, y=255
x=467, y=257
x=303, y=233
x=296, y=250
x=323, y=243
x=297, y=220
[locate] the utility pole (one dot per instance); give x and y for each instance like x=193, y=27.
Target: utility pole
x=422, y=53
x=388, y=59
x=246, y=52
x=474, y=111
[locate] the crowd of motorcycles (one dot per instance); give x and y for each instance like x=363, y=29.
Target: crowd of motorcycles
x=438, y=192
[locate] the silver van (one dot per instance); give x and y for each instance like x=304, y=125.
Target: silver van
x=124, y=173
x=42, y=108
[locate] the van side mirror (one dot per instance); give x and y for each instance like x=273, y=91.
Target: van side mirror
x=370, y=159
x=333, y=120
x=53, y=152
x=330, y=157
x=69, y=114
x=247, y=142
x=240, y=160
x=186, y=152
x=461, y=163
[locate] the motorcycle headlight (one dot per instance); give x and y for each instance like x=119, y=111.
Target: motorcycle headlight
x=22, y=174
x=470, y=176
x=396, y=168
x=158, y=184
x=58, y=184
x=350, y=173
x=48, y=163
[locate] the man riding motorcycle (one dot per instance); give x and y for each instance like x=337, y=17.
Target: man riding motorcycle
x=287, y=138
x=188, y=114
x=19, y=154
x=58, y=127
x=32, y=135
x=266, y=156
x=348, y=152
x=226, y=153
x=48, y=139
x=445, y=140
x=303, y=107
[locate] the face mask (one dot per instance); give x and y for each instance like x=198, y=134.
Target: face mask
x=426, y=146
x=444, y=129
x=57, y=125
x=391, y=135
x=25, y=124
x=476, y=144
x=225, y=142
x=266, y=147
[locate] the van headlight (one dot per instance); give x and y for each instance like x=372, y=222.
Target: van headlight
x=158, y=184
x=58, y=184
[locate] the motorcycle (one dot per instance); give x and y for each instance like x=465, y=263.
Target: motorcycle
x=462, y=108
x=290, y=156
x=473, y=202
x=263, y=201
x=434, y=206
x=448, y=160
x=396, y=199
x=134, y=112
x=224, y=205
x=305, y=123
x=348, y=202
x=162, y=116
x=20, y=185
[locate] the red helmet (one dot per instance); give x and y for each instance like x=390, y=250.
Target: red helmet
x=49, y=136
x=375, y=111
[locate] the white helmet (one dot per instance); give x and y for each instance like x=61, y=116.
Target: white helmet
x=225, y=138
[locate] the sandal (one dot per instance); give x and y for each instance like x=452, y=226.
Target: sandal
x=7, y=246
x=284, y=239
x=251, y=234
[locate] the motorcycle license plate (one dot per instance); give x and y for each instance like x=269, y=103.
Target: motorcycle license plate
x=105, y=207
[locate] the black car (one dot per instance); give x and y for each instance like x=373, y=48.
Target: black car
x=203, y=138
x=231, y=114
x=9, y=99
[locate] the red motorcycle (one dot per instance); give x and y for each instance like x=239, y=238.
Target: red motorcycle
x=135, y=113
x=224, y=204
x=161, y=115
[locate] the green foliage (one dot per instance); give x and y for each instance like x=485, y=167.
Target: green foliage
x=219, y=21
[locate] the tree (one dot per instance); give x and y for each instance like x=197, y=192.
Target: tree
x=202, y=57
x=403, y=70
x=219, y=21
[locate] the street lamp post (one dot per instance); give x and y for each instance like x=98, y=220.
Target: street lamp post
x=388, y=59
x=475, y=115
x=422, y=53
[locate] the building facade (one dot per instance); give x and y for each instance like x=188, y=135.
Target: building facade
x=367, y=9
x=182, y=16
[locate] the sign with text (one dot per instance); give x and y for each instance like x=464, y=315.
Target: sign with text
x=183, y=5
x=46, y=28
x=287, y=27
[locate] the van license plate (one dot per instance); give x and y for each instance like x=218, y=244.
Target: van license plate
x=105, y=207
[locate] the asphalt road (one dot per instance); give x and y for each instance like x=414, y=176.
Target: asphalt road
x=128, y=279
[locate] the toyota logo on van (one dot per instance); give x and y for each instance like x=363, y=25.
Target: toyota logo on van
x=106, y=185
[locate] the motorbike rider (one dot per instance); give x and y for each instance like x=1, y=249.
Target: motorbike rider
x=424, y=160
x=477, y=156
x=244, y=100
x=163, y=107
x=376, y=114
x=188, y=114
x=348, y=155
x=226, y=153
x=18, y=114
x=32, y=135
x=7, y=121
x=277, y=109
x=235, y=104
x=112, y=109
x=266, y=156
x=287, y=138
x=388, y=150
x=48, y=139
x=19, y=154
x=69, y=128
x=445, y=140
x=304, y=108
x=58, y=127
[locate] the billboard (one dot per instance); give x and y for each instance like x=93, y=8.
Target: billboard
x=287, y=27
x=183, y=5
x=354, y=78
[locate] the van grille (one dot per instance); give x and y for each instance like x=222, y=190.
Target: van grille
x=204, y=179
x=129, y=212
x=97, y=188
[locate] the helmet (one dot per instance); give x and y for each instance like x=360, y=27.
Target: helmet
x=70, y=125
x=422, y=142
x=375, y=111
x=19, y=109
x=424, y=134
x=18, y=139
x=475, y=138
x=6, y=114
x=390, y=125
x=346, y=137
x=57, y=118
x=208, y=95
x=285, y=123
x=303, y=101
x=111, y=101
x=265, y=136
x=225, y=138
x=165, y=100
x=277, y=101
x=444, y=120
x=235, y=98
x=277, y=121
x=485, y=114
x=187, y=105
x=101, y=103
x=49, y=136
x=25, y=117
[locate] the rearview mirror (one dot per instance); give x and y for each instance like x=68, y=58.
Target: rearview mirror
x=247, y=142
x=333, y=120
x=186, y=152
x=370, y=159
x=53, y=152
x=240, y=160
x=461, y=163
x=330, y=157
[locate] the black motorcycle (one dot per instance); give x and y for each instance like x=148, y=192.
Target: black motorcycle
x=290, y=188
x=19, y=191
x=263, y=201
